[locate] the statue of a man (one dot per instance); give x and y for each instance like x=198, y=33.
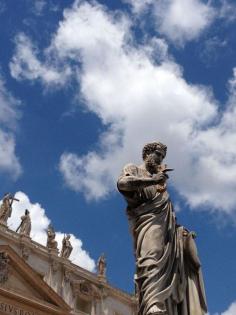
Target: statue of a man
x=6, y=208
x=66, y=247
x=25, y=225
x=51, y=240
x=101, y=265
x=168, y=274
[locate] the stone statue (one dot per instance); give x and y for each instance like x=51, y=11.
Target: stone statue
x=101, y=266
x=25, y=225
x=168, y=271
x=66, y=247
x=51, y=241
x=6, y=208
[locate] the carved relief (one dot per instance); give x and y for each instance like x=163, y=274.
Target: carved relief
x=25, y=251
x=86, y=289
x=67, y=275
x=54, y=266
x=4, y=267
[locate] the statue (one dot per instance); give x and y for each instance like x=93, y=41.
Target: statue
x=51, y=241
x=168, y=271
x=66, y=247
x=25, y=225
x=101, y=266
x=6, y=208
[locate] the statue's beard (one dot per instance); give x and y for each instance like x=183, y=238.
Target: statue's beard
x=151, y=164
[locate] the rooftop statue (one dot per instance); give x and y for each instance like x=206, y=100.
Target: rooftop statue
x=25, y=225
x=168, y=271
x=51, y=238
x=101, y=266
x=6, y=208
x=66, y=247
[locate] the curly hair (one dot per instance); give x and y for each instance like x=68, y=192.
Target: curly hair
x=153, y=146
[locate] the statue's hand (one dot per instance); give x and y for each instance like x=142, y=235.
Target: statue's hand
x=159, y=178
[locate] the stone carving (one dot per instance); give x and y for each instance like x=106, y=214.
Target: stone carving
x=54, y=265
x=168, y=273
x=6, y=208
x=66, y=247
x=25, y=251
x=4, y=267
x=51, y=241
x=86, y=289
x=101, y=266
x=67, y=275
x=25, y=225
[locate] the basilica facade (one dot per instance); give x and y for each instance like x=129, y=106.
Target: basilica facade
x=35, y=280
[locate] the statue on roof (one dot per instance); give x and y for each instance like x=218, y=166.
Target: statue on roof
x=101, y=266
x=6, y=208
x=168, y=271
x=66, y=247
x=25, y=225
x=51, y=238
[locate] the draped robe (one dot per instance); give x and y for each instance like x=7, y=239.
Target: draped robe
x=5, y=210
x=168, y=271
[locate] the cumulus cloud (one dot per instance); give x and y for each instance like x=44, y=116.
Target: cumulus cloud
x=139, y=100
x=26, y=65
x=40, y=222
x=179, y=20
x=9, y=115
x=183, y=20
x=231, y=310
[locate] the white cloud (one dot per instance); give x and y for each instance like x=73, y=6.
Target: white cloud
x=138, y=6
x=231, y=310
x=2, y=7
x=9, y=162
x=38, y=6
x=179, y=20
x=139, y=101
x=183, y=20
x=26, y=65
x=9, y=115
x=227, y=11
x=40, y=222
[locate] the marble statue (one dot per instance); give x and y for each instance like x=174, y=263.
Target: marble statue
x=168, y=271
x=6, y=208
x=25, y=225
x=51, y=238
x=66, y=247
x=101, y=266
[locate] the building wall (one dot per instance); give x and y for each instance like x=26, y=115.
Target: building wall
x=78, y=287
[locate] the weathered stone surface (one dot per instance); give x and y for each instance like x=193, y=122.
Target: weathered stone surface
x=36, y=281
x=168, y=273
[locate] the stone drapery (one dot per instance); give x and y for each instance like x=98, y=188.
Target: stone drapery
x=168, y=272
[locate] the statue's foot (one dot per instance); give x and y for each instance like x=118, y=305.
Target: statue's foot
x=157, y=310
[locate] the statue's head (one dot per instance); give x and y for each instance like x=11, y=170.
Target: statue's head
x=6, y=195
x=50, y=228
x=26, y=212
x=154, y=147
x=68, y=236
x=154, y=153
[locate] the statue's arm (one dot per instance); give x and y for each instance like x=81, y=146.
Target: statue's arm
x=130, y=182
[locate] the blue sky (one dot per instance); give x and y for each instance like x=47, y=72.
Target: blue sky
x=84, y=85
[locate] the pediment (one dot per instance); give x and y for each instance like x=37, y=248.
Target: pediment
x=19, y=279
